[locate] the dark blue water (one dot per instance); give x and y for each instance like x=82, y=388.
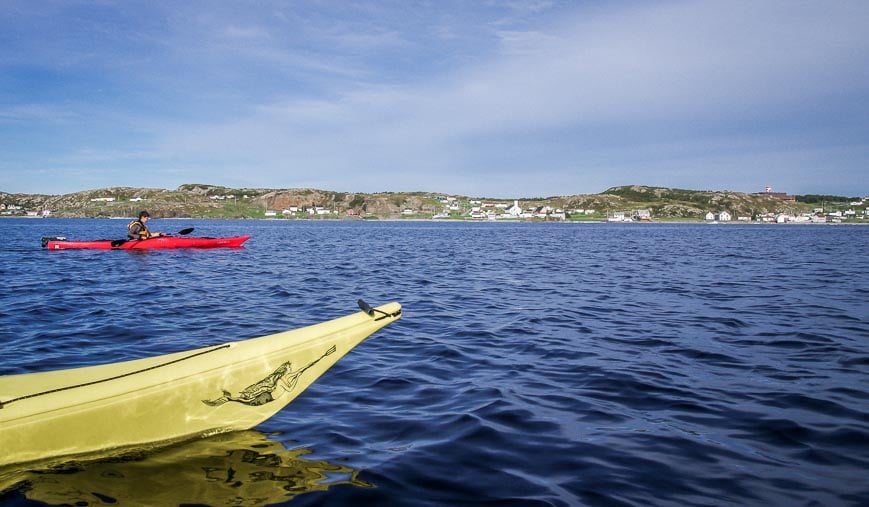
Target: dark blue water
x=536, y=364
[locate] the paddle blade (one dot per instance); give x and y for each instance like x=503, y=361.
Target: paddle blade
x=183, y=232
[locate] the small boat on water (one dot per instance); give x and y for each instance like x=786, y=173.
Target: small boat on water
x=173, y=397
x=161, y=242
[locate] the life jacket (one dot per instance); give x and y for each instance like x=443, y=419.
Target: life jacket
x=142, y=233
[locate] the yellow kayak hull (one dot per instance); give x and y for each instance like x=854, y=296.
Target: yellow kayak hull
x=179, y=396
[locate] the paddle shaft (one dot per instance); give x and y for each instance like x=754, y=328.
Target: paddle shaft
x=118, y=242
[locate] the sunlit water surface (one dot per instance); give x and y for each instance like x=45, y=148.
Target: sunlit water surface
x=536, y=364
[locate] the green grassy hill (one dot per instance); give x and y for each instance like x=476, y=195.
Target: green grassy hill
x=210, y=201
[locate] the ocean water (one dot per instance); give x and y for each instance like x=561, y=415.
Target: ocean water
x=535, y=364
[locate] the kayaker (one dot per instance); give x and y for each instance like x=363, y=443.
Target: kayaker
x=137, y=229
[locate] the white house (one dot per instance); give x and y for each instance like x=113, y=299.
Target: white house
x=514, y=210
x=543, y=211
x=710, y=216
x=725, y=216
x=644, y=215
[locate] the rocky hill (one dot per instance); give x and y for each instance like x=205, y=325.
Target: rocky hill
x=211, y=201
x=678, y=203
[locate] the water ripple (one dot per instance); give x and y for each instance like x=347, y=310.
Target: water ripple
x=536, y=364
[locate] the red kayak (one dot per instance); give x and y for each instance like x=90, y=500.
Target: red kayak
x=161, y=242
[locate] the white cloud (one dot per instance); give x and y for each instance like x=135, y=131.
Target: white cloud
x=647, y=70
x=45, y=113
x=349, y=103
x=247, y=32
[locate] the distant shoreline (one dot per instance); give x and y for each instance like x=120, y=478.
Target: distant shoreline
x=451, y=220
x=641, y=203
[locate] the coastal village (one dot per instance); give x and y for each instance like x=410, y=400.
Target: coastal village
x=617, y=205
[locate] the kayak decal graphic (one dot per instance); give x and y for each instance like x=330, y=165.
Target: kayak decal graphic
x=263, y=391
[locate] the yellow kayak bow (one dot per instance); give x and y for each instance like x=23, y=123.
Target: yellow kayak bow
x=174, y=397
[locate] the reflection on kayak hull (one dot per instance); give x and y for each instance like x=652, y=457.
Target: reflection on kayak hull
x=243, y=468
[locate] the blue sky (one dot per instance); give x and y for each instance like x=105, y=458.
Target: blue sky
x=494, y=98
